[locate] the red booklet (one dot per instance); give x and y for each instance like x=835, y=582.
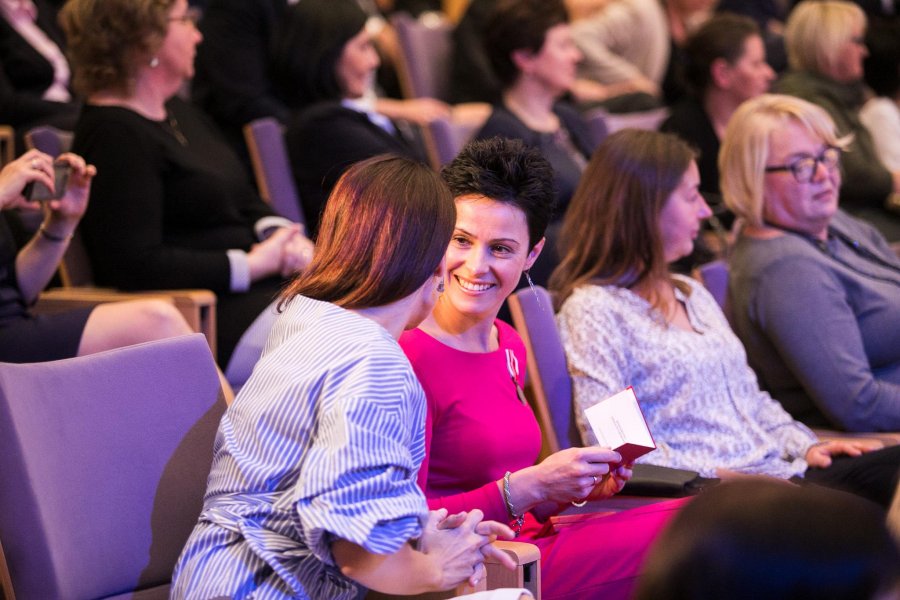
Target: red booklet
x=619, y=424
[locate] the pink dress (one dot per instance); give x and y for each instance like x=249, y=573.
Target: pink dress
x=477, y=429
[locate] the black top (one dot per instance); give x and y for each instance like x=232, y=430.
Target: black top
x=162, y=213
x=325, y=139
x=690, y=122
x=504, y=123
x=471, y=74
x=232, y=81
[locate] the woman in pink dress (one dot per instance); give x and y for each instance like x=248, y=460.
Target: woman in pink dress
x=482, y=439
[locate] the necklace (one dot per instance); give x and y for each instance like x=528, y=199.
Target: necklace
x=175, y=130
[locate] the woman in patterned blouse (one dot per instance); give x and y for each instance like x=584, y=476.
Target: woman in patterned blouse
x=625, y=320
x=312, y=492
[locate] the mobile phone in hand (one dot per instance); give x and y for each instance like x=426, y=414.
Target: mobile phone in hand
x=37, y=191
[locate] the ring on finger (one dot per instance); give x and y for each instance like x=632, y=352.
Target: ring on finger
x=594, y=477
x=34, y=163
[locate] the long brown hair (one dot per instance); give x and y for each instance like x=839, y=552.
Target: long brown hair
x=384, y=231
x=611, y=234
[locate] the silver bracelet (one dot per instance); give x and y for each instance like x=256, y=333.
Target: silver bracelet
x=519, y=519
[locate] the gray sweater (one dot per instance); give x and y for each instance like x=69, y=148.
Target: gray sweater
x=822, y=326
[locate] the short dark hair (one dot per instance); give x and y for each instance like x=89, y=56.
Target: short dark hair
x=306, y=48
x=519, y=25
x=769, y=539
x=507, y=171
x=722, y=37
x=384, y=232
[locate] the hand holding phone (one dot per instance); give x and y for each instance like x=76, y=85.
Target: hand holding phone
x=37, y=191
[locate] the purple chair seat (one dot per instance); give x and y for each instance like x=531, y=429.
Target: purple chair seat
x=104, y=461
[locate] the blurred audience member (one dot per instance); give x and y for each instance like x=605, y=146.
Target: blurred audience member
x=325, y=59
x=746, y=540
x=726, y=64
x=626, y=321
x=815, y=293
x=826, y=47
x=25, y=337
x=232, y=83
x=881, y=114
x=683, y=17
x=172, y=206
x=34, y=72
x=625, y=48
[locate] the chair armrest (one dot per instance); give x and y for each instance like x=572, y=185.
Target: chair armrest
x=197, y=306
x=527, y=574
x=888, y=438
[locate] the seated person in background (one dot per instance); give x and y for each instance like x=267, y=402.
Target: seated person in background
x=815, y=293
x=726, y=64
x=626, y=321
x=826, y=46
x=325, y=55
x=746, y=540
x=467, y=361
x=881, y=114
x=232, y=83
x=312, y=492
x=683, y=18
x=34, y=73
x=172, y=206
x=529, y=44
x=28, y=338
x=769, y=16
x=625, y=45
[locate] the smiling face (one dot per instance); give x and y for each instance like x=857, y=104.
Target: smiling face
x=556, y=62
x=176, y=54
x=806, y=207
x=356, y=66
x=682, y=215
x=486, y=257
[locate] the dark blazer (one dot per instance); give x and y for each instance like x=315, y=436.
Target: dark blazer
x=232, y=81
x=326, y=138
x=25, y=75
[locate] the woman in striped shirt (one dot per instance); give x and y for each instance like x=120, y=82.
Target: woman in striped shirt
x=313, y=490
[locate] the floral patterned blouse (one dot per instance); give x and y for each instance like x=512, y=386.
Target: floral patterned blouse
x=700, y=398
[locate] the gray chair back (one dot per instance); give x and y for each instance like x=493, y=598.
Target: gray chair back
x=532, y=314
x=49, y=140
x=271, y=167
x=104, y=461
x=426, y=47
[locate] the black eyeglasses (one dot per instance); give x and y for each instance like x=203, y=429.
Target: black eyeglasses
x=804, y=167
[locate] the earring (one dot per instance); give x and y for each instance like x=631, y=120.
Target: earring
x=154, y=62
x=440, y=287
x=533, y=290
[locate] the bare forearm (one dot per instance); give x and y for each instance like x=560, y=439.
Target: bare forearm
x=38, y=260
x=407, y=571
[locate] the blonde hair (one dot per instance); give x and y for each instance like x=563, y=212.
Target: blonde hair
x=745, y=147
x=816, y=33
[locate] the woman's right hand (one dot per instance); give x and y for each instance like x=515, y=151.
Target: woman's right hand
x=31, y=166
x=458, y=545
x=565, y=476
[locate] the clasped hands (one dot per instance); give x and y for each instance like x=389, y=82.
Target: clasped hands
x=285, y=252
x=460, y=544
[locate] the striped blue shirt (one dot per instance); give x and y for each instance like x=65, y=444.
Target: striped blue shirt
x=324, y=441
